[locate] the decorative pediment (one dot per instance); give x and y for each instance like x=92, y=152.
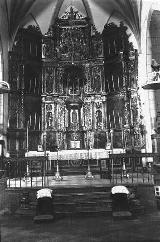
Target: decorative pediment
x=72, y=13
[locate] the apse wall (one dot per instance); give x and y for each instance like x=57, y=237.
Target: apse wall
x=153, y=57
x=1, y=95
x=3, y=104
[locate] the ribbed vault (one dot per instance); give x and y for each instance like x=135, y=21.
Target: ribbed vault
x=44, y=13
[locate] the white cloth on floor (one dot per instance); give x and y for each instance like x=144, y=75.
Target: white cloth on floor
x=119, y=189
x=45, y=192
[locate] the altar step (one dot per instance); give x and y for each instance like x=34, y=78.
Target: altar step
x=83, y=203
x=79, y=201
x=86, y=201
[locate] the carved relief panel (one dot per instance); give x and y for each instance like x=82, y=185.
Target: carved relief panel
x=14, y=71
x=73, y=43
x=97, y=43
x=73, y=39
x=96, y=79
x=56, y=115
x=88, y=74
x=48, y=78
x=48, y=48
x=13, y=111
x=98, y=115
x=94, y=72
x=87, y=109
x=49, y=116
x=61, y=115
x=59, y=80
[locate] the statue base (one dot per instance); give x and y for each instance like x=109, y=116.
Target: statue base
x=89, y=176
x=57, y=177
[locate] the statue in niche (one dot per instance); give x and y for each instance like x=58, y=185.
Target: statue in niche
x=96, y=83
x=49, y=119
x=73, y=90
x=47, y=48
x=98, y=118
x=49, y=79
x=74, y=116
x=72, y=15
x=73, y=79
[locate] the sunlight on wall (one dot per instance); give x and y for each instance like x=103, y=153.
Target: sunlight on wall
x=1, y=95
x=1, y=79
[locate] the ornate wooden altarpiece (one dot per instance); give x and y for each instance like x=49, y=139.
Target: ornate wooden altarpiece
x=124, y=118
x=25, y=75
x=73, y=94
x=73, y=86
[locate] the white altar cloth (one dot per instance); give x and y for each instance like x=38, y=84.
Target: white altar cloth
x=72, y=154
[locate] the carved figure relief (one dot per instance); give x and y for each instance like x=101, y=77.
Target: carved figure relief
x=74, y=115
x=98, y=119
x=49, y=77
x=48, y=49
x=96, y=81
x=49, y=116
x=59, y=83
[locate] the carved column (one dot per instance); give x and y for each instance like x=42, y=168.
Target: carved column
x=21, y=117
x=104, y=113
x=93, y=113
x=43, y=131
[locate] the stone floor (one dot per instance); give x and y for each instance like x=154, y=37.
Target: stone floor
x=89, y=229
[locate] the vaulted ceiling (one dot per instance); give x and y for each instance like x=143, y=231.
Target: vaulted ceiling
x=14, y=13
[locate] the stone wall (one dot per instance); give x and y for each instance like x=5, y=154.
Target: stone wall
x=9, y=199
x=146, y=195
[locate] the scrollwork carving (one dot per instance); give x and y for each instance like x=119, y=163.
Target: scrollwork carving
x=73, y=44
x=97, y=43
